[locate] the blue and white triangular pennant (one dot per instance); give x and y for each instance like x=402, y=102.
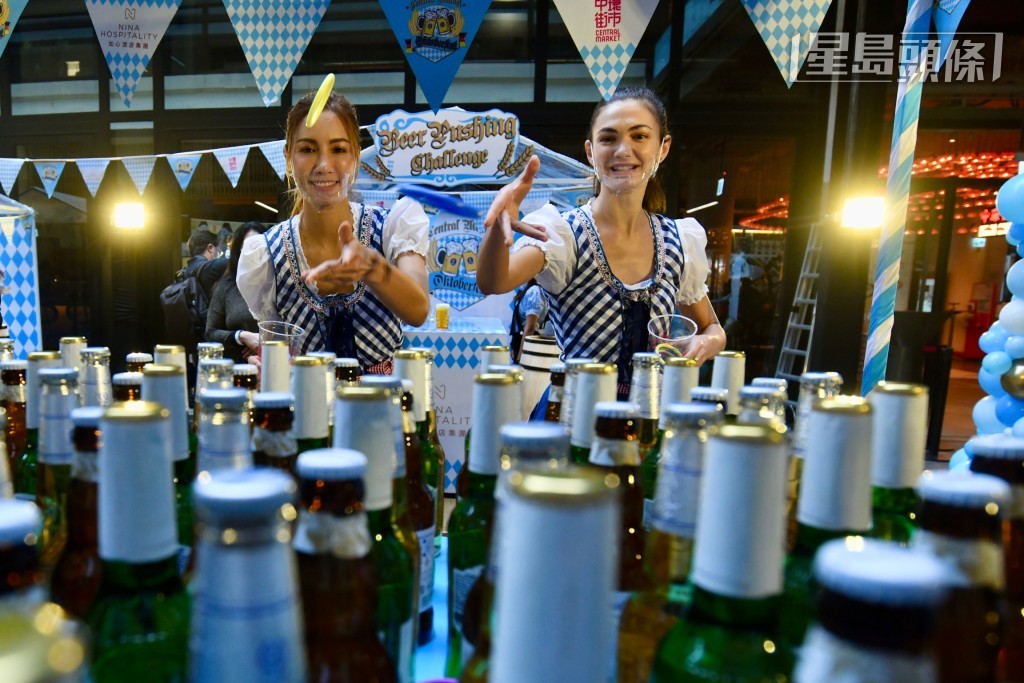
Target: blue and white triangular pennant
x=49, y=172
x=9, y=169
x=788, y=29
x=10, y=11
x=232, y=159
x=140, y=169
x=273, y=151
x=184, y=167
x=92, y=171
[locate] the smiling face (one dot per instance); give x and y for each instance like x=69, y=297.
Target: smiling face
x=626, y=145
x=321, y=160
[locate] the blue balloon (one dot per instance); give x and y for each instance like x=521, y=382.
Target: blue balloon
x=1018, y=428
x=991, y=383
x=997, y=363
x=1013, y=239
x=992, y=341
x=957, y=458
x=969, y=447
x=1014, y=346
x=962, y=467
x=1020, y=250
x=1009, y=410
x=984, y=415
x=1015, y=278
x=1010, y=199
x=1016, y=231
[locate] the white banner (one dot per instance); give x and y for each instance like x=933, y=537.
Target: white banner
x=232, y=159
x=788, y=29
x=129, y=31
x=9, y=169
x=273, y=152
x=606, y=33
x=92, y=171
x=140, y=169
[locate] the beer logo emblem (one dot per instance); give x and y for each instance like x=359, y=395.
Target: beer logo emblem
x=50, y=173
x=451, y=267
x=5, y=13
x=183, y=167
x=436, y=28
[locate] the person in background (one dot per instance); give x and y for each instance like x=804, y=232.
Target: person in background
x=530, y=316
x=349, y=274
x=228, y=319
x=611, y=265
x=207, y=263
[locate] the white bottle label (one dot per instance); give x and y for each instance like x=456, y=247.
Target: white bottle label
x=824, y=657
x=426, y=539
x=618, y=604
x=462, y=582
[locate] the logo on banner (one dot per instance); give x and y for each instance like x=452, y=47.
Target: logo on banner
x=451, y=260
x=447, y=148
x=49, y=172
x=10, y=11
x=435, y=35
x=5, y=13
x=184, y=167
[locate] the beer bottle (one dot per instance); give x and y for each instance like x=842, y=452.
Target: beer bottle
x=94, y=377
x=6, y=349
x=330, y=386
x=727, y=372
x=136, y=360
x=338, y=578
x=572, y=369
x=246, y=621
x=273, y=440
x=126, y=386
x=539, y=445
x=771, y=382
x=554, y=408
x=877, y=611
x=363, y=424
x=813, y=386
x=6, y=478
x=346, y=374
x=223, y=430
x=761, y=405
x=434, y=439
x=649, y=614
x=595, y=382
x=712, y=396
x=307, y=385
x=275, y=369
x=58, y=397
x=1002, y=456
x=76, y=576
x=551, y=615
x=835, y=498
x=174, y=354
x=169, y=354
x=960, y=521
x=140, y=618
x=209, y=350
x=645, y=392
x=39, y=642
x=417, y=541
x=246, y=376
x=12, y=373
x=493, y=354
x=71, y=352
x=469, y=527
x=28, y=460
x=730, y=630
x=213, y=373
x=166, y=385
x=900, y=426
x=516, y=399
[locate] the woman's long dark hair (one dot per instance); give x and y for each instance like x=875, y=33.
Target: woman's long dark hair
x=654, y=195
x=236, y=247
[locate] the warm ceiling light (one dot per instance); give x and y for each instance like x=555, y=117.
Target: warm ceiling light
x=863, y=213
x=129, y=215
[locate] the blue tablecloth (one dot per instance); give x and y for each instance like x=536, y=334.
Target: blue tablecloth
x=430, y=657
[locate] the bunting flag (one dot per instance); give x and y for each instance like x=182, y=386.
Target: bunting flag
x=273, y=35
x=9, y=169
x=435, y=36
x=49, y=172
x=129, y=31
x=20, y=293
x=606, y=33
x=10, y=12
x=946, y=16
x=92, y=171
x=184, y=167
x=788, y=29
x=232, y=159
x=140, y=169
x=273, y=152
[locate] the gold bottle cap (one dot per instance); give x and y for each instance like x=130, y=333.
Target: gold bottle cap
x=570, y=486
x=160, y=370
x=732, y=354
x=598, y=369
x=496, y=378
x=410, y=354
x=244, y=370
x=848, y=405
x=73, y=340
x=681, y=362
x=751, y=433
x=494, y=347
x=135, y=411
x=309, y=361
x=274, y=342
x=168, y=348
x=127, y=379
x=363, y=393
x=37, y=356
x=902, y=388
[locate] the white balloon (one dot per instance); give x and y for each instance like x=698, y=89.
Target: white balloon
x=1012, y=317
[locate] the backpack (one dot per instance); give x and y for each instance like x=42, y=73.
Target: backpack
x=516, y=328
x=184, y=303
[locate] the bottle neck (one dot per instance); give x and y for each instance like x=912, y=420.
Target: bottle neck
x=82, y=506
x=19, y=570
x=878, y=626
x=480, y=486
x=809, y=539
x=133, y=577
x=757, y=613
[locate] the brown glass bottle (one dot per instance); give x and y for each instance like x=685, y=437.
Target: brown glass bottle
x=135, y=361
x=12, y=373
x=553, y=412
x=346, y=372
x=337, y=577
x=246, y=376
x=273, y=443
x=127, y=386
x=76, y=576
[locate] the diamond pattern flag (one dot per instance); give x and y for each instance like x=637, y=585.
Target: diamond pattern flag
x=20, y=295
x=946, y=16
x=140, y=169
x=606, y=33
x=92, y=171
x=232, y=159
x=184, y=167
x=788, y=29
x=9, y=169
x=274, y=34
x=10, y=12
x=49, y=172
x=273, y=151
x=435, y=36
x=129, y=31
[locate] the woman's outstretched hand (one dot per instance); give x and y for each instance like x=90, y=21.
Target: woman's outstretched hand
x=355, y=264
x=504, y=209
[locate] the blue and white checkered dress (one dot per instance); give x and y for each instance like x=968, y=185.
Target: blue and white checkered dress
x=377, y=331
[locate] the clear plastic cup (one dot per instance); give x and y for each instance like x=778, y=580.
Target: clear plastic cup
x=670, y=334
x=292, y=335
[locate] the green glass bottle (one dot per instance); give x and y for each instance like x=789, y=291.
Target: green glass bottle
x=224, y=441
x=71, y=351
x=174, y=354
x=58, y=397
x=435, y=443
x=140, y=619
x=572, y=370
x=273, y=440
x=516, y=372
x=728, y=371
x=363, y=423
x=28, y=460
x=329, y=358
x=650, y=613
x=835, y=499
x=595, y=382
x=761, y=405
x=495, y=403
x=94, y=380
x=730, y=632
x=308, y=386
x=813, y=387
x=898, y=437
